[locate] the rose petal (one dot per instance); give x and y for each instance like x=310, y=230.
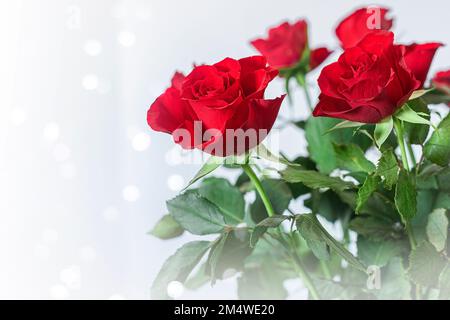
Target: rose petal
x=318, y=56
x=418, y=58
x=169, y=112
x=337, y=108
x=360, y=23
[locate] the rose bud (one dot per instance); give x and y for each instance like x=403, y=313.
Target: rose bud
x=361, y=22
x=286, y=45
x=218, y=108
x=369, y=82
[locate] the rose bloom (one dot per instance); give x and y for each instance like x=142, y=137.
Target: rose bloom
x=218, y=108
x=441, y=81
x=360, y=23
x=285, y=45
x=372, y=80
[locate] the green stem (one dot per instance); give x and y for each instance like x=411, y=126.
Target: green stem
x=307, y=281
x=401, y=142
x=301, y=80
x=325, y=270
x=259, y=188
x=298, y=265
x=411, y=154
x=412, y=239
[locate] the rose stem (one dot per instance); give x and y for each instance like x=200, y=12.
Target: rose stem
x=411, y=154
x=271, y=212
x=401, y=142
x=301, y=80
x=259, y=188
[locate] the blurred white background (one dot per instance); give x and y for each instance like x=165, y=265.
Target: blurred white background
x=82, y=178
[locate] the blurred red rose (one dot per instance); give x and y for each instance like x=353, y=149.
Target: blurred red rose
x=369, y=81
x=285, y=45
x=361, y=22
x=199, y=109
x=441, y=81
x=418, y=58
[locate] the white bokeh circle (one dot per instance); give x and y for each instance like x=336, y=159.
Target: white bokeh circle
x=141, y=141
x=51, y=132
x=175, y=182
x=90, y=82
x=175, y=289
x=59, y=292
x=93, y=48
x=131, y=193
x=111, y=214
x=126, y=38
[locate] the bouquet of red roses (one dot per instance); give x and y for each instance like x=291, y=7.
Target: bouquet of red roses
x=377, y=169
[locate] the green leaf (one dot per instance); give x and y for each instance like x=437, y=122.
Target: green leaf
x=214, y=256
x=320, y=145
x=425, y=265
x=198, y=279
x=320, y=249
x=167, y=228
x=230, y=252
x=352, y=158
x=376, y=228
x=311, y=229
x=366, y=190
x=442, y=200
x=444, y=283
x=279, y=195
x=377, y=253
x=258, y=280
x=425, y=201
x=261, y=228
x=419, y=93
x=417, y=133
x=333, y=290
x=437, y=228
x=314, y=179
x=226, y=197
x=383, y=130
x=444, y=180
x=196, y=214
x=394, y=282
x=346, y=124
x=436, y=97
x=407, y=114
x=264, y=153
x=211, y=164
x=437, y=149
x=178, y=267
x=329, y=205
x=406, y=196
x=388, y=168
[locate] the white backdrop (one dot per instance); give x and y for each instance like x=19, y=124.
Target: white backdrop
x=82, y=178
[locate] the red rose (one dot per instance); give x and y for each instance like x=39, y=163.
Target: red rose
x=360, y=23
x=418, y=58
x=441, y=81
x=369, y=82
x=213, y=101
x=285, y=45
